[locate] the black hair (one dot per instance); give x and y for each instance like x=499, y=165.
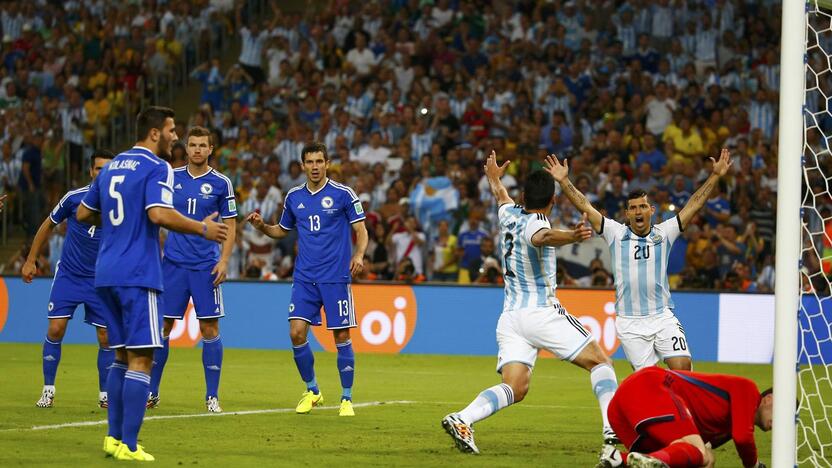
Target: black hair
x=150, y=118
x=538, y=190
x=766, y=392
x=314, y=147
x=100, y=154
x=638, y=193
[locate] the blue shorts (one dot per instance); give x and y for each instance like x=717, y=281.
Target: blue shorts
x=133, y=319
x=182, y=284
x=336, y=299
x=68, y=292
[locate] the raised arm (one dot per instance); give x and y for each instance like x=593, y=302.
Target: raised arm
x=697, y=201
x=272, y=230
x=494, y=173
x=561, y=174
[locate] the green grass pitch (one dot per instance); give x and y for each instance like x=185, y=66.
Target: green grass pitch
x=557, y=425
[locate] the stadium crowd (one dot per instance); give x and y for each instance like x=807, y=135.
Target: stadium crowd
x=411, y=95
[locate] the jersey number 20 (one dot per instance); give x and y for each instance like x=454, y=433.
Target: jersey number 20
x=642, y=252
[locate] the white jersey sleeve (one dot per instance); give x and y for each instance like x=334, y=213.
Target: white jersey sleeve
x=611, y=230
x=672, y=228
x=534, y=225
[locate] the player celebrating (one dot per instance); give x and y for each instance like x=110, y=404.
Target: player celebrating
x=322, y=211
x=134, y=194
x=193, y=266
x=532, y=317
x=645, y=323
x=74, y=284
x=686, y=414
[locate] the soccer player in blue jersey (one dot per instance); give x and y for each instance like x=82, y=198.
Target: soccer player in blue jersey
x=322, y=211
x=193, y=267
x=73, y=285
x=532, y=317
x=133, y=196
x=645, y=323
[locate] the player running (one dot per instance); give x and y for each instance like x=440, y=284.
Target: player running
x=134, y=195
x=645, y=324
x=686, y=414
x=532, y=317
x=73, y=285
x=322, y=211
x=193, y=267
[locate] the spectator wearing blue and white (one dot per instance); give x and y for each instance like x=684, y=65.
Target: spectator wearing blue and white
x=677, y=57
x=661, y=22
x=688, y=39
x=717, y=208
x=770, y=71
x=626, y=31
x=761, y=113
x=360, y=58
x=343, y=127
x=9, y=168
x=565, y=135
x=374, y=152
x=253, y=40
x=559, y=99
x=651, y=154
x=12, y=20
x=359, y=102
x=289, y=148
x=469, y=241
x=706, y=37
x=421, y=139
x=276, y=53
x=644, y=180
x=665, y=74
x=642, y=16
x=212, y=83
x=722, y=14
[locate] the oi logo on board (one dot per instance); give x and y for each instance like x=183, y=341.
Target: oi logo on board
x=185, y=332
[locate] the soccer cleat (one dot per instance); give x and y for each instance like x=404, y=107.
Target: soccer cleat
x=47, y=397
x=152, y=401
x=640, y=460
x=212, y=404
x=102, y=400
x=111, y=445
x=123, y=453
x=610, y=438
x=346, y=408
x=610, y=457
x=309, y=400
x=462, y=433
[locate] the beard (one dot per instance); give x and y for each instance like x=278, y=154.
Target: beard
x=164, y=149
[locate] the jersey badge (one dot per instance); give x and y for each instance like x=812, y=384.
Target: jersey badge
x=327, y=202
x=358, y=208
x=206, y=189
x=232, y=205
x=656, y=237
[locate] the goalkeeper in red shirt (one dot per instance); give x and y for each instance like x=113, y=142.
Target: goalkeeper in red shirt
x=670, y=418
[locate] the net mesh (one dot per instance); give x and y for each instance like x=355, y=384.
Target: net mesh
x=814, y=418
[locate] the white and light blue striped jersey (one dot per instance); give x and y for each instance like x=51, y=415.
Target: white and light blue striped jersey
x=530, y=272
x=639, y=265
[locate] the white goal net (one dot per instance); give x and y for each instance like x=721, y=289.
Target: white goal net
x=814, y=386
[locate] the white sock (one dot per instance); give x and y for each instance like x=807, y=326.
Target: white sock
x=488, y=402
x=604, y=385
x=49, y=387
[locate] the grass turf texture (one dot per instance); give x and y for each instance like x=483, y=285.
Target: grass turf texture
x=557, y=425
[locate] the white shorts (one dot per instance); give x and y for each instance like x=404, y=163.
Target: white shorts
x=648, y=340
x=522, y=333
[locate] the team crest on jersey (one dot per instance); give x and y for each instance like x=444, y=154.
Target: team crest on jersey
x=359, y=210
x=656, y=237
x=206, y=189
x=232, y=205
x=50, y=306
x=291, y=307
x=327, y=202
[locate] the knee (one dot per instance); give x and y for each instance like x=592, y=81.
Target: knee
x=167, y=326
x=298, y=336
x=102, y=338
x=519, y=389
x=56, y=331
x=679, y=363
x=209, y=329
x=341, y=336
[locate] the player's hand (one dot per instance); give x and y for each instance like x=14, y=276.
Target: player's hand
x=553, y=166
x=221, y=271
x=356, y=265
x=28, y=271
x=215, y=231
x=256, y=220
x=721, y=166
x=492, y=170
x=582, y=231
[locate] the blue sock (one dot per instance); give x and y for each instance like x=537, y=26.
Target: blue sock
x=51, y=359
x=105, y=360
x=212, y=363
x=346, y=367
x=115, y=404
x=305, y=361
x=160, y=358
x=136, y=388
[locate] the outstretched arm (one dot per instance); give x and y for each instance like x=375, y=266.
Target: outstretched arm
x=561, y=174
x=494, y=173
x=697, y=201
x=30, y=268
x=275, y=231
x=558, y=237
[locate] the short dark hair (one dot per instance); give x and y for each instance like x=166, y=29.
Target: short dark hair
x=100, y=154
x=638, y=193
x=766, y=392
x=197, y=131
x=150, y=118
x=314, y=147
x=538, y=190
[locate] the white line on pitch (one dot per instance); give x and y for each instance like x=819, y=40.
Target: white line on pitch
x=205, y=415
